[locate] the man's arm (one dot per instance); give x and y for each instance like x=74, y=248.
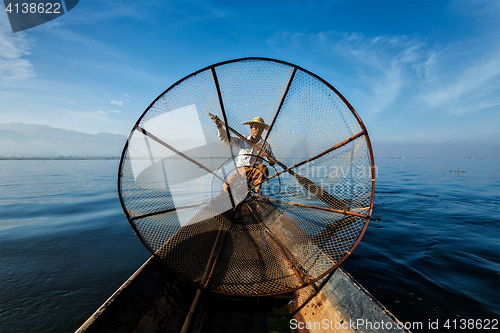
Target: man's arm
x=222, y=134
x=268, y=153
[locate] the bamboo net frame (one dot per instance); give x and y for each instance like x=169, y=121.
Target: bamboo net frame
x=315, y=204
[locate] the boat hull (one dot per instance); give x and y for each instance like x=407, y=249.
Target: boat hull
x=156, y=300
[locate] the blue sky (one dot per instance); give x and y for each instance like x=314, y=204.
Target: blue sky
x=423, y=75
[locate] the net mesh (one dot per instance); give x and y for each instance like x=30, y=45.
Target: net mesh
x=308, y=216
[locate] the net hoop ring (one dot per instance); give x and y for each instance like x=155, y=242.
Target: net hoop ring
x=124, y=198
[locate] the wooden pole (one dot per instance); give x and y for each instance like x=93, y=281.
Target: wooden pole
x=189, y=316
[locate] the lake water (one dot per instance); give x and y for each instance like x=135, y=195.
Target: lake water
x=431, y=251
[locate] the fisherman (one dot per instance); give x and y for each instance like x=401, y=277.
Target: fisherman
x=247, y=163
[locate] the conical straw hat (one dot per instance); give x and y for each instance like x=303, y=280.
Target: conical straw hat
x=257, y=120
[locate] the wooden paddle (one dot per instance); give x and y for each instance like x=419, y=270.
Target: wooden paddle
x=309, y=185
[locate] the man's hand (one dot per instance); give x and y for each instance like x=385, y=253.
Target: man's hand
x=216, y=120
x=270, y=159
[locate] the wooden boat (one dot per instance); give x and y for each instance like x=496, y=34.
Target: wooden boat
x=239, y=261
x=156, y=300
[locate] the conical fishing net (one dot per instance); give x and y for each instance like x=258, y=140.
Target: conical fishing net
x=204, y=215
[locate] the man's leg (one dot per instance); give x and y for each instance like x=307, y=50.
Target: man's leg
x=258, y=174
x=239, y=175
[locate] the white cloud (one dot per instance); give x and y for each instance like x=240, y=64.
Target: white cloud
x=386, y=64
x=383, y=64
x=472, y=85
x=127, y=95
x=12, y=48
x=399, y=72
x=98, y=116
x=120, y=103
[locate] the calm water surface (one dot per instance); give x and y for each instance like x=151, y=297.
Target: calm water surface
x=431, y=251
x=65, y=245
x=432, y=248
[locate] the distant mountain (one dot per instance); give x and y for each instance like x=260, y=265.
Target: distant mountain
x=29, y=140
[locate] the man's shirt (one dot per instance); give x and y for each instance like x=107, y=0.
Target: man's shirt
x=247, y=156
